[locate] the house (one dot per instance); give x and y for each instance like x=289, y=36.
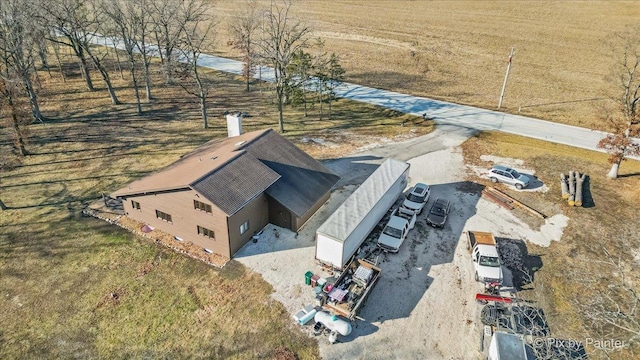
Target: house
x=225, y=191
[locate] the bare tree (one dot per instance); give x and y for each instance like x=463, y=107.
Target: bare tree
x=132, y=20
x=244, y=28
x=282, y=37
x=14, y=111
x=63, y=21
x=611, y=308
x=624, y=122
x=18, y=44
x=168, y=19
x=75, y=24
x=124, y=23
x=197, y=34
x=145, y=26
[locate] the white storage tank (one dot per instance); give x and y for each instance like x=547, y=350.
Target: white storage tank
x=333, y=323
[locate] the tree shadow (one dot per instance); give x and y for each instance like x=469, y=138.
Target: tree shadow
x=515, y=256
x=522, y=319
x=587, y=197
x=534, y=183
x=629, y=175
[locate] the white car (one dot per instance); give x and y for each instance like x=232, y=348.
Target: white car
x=417, y=198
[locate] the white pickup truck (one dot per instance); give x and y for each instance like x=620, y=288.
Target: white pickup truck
x=396, y=230
x=485, y=257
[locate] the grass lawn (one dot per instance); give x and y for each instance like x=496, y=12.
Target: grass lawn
x=576, y=276
x=73, y=286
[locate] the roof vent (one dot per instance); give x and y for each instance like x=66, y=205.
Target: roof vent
x=239, y=143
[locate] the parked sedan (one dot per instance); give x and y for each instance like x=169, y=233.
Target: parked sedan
x=438, y=214
x=508, y=176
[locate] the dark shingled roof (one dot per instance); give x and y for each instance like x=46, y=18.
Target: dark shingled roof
x=303, y=179
x=232, y=171
x=215, y=186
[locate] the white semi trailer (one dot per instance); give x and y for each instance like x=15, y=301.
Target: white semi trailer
x=348, y=227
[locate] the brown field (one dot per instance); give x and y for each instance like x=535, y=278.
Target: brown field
x=457, y=50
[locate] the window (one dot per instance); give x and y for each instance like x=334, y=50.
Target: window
x=205, y=232
x=135, y=205
x=244, y=227
x=202, y=206
x=163, y=216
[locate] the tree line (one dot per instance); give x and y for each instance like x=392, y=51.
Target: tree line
x=178, y=31
x=32, y=32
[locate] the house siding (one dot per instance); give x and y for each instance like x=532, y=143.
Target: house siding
x=299, y=222
x=257, y=213
x=185, y=218
x=280, y=215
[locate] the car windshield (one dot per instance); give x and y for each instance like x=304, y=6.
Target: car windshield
x=415, y=198
x=393, y=232
x=437, y=210
x=489, y=261
x=514, y=174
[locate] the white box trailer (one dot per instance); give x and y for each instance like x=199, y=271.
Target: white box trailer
x=348, y=227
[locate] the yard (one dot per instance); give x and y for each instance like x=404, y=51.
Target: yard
x=78, y=287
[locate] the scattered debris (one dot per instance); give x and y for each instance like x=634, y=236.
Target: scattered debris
x=145, y=269
x=282, y=353
x=504, y=202
x=508, y=202
x=114, y=297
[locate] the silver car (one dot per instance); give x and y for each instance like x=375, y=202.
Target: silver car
x=508, y=176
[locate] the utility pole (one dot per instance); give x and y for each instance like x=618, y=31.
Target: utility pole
x=506, y=76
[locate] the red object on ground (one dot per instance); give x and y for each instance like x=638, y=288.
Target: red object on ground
x=496, y=298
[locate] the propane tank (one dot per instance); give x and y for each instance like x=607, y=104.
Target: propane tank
x=333, y=323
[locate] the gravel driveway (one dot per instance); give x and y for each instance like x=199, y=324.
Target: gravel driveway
x=423, y=307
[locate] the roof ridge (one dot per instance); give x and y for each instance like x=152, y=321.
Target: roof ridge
x=253, y=140
x=235, y=154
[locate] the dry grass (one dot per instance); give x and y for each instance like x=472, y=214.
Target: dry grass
x=78, y=287
x=457, y=50
x=574, y=270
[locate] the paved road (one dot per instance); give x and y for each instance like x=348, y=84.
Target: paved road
x=443, y=113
